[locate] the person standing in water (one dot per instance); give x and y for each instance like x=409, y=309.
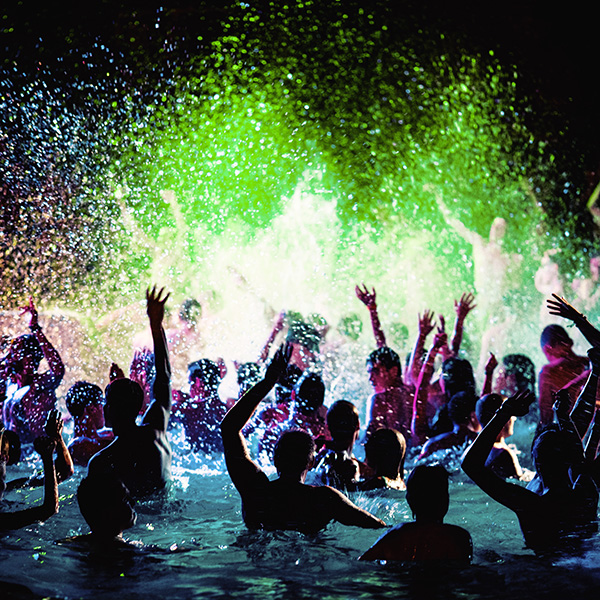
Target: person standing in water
x=563, y=509
x=140, y=455
x=286, y=503
x=427, y=537
x=29, y=394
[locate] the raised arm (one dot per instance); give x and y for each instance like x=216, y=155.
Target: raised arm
x=419, y=424
x=511, y=495
x=57, y=368
x=462, y=308
x=369, y=299
x=159, y=410
x=559, y=306
x=490, y=367
x=45, y=447
x=239, y=464
x=456, y=224
x=426, y=325
x=63, y=463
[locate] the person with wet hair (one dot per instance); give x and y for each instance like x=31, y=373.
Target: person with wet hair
x=140, y=455
x=29, y=394
x=85, y=402
x=308, y=411
x=202, y=410
x=335, y=464
x=502, y=458
x=427, y=538
x=385, y=452
x=44, y=446
x=563, y=509
x=461, y=411
x=286, y=502
x=391, y=403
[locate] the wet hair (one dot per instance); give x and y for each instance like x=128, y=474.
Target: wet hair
x=190, y=311
x=521, y=367
x=310, y=392
x=427, y=491
x=385, y=451
x=342, y=419
x=457, y=374
x=387, y=357
x=294, y=452
x=552, y=450
x=105, y=504
x=26, y=345
x=207, y=371
x=304, y=334
x=248, y=374
x=554, y=335
x=82, y=394
x=486, y=407
x=350, y=326
x=460, y=407
x=124, y=400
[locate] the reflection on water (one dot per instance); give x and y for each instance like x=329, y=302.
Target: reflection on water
x=197, y=546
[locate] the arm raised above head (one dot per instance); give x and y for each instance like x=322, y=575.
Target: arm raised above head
x=57, y=368
x=369, y=299
x=239, y=464
x=560, y=307
x=159, y=410
x=511, y=495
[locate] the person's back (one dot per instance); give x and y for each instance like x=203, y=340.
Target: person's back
x=84, y=401
x=428, y=537
x=140, y=455
x=286, y=503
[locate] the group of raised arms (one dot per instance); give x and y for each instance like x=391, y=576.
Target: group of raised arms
x=279, y=422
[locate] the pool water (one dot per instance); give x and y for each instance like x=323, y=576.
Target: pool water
x=196, y=546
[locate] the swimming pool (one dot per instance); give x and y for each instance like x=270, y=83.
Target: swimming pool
x=203, y=550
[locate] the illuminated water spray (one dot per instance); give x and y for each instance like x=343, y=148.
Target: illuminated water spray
x=258, y=178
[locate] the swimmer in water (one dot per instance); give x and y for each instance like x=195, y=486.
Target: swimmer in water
x=427, y=537
x=140, y=455
x=287, y=502
x=566, y=502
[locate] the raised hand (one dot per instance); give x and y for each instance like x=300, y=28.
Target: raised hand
x=30, y=308
x=426, y=322
x=155, y=305
x=279, y=362
x=559, y=306
x=44, y=445
x=518, y=405
x=116, y=372
x=465, y=305
x=368, y=298
x=54, y=424
x=491, y=364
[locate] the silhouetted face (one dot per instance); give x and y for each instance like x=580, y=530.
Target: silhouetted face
x=381, y=377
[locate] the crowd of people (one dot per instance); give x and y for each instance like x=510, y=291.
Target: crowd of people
x=279, y=419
